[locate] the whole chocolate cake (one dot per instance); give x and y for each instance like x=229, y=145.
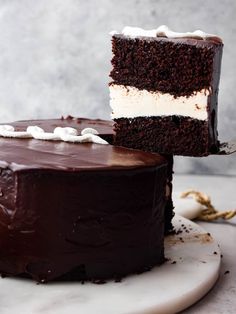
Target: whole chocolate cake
x=164, y=90
x=71, y=207
x=106, y=131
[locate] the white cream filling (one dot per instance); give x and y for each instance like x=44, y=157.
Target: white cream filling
x=131, y=102
x=162, y=30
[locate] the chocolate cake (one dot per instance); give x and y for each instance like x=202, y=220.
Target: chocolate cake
x=78, y=210
x=106, y=131
x=164, y=90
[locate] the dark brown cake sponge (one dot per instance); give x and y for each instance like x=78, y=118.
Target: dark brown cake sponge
x=175, y=66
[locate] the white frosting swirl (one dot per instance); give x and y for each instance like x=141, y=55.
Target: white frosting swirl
x=89, y=131
x=162, y=30
x=67, y=134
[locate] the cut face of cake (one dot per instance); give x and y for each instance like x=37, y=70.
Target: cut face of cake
x=78, y=210
x=164, y=90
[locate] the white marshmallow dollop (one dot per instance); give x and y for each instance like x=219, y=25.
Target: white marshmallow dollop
x=67, y=134
x=162, y=30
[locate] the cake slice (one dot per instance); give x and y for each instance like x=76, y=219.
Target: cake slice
x=164, y=90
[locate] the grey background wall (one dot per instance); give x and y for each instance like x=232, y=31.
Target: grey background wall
x=54, y=58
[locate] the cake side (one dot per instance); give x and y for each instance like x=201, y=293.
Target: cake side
x=67, y=229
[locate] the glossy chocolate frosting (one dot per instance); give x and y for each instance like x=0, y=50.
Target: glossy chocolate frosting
x=104, y=127
x=83, y=211
x=20, y=154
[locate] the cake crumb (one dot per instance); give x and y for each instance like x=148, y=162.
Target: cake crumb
x=118, y=280
x=178, y=231
x=99, y=281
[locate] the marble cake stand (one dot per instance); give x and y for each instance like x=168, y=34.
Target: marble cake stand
x=190, y=272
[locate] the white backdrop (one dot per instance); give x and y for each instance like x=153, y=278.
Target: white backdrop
x=55, y=57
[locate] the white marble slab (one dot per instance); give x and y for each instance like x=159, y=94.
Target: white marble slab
x=222, y=189
x=191, y=270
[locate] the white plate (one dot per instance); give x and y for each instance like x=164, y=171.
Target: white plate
x=190, y=272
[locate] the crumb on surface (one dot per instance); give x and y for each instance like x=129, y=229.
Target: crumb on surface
x=118, y=280
x=99, y=281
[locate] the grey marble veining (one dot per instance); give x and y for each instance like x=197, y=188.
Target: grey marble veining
x=55, y=57
x=221, y=299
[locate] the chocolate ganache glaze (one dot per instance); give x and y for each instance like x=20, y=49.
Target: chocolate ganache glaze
x=81, y=211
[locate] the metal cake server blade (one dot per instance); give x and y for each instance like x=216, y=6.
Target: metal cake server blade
x=227, y=148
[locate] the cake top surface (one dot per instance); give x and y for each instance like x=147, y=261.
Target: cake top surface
x=104, y=127
x=21, y=154
x=164, y=32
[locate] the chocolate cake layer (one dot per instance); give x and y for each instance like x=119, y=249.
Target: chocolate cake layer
x=166, y=135
x=178, y=66
x=93, y=210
